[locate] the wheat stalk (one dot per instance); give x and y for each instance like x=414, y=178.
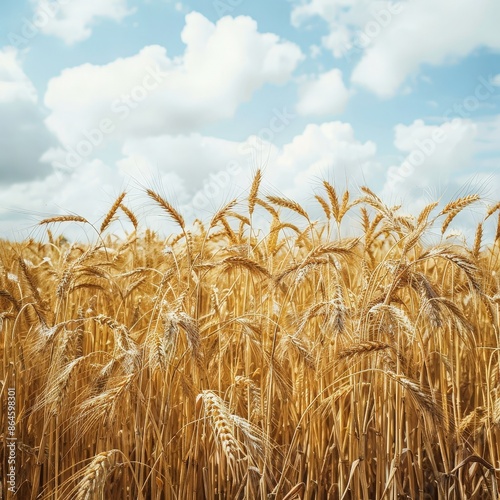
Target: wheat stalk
x=255, y=360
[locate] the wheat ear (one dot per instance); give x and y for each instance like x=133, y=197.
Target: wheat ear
x=64, y=218
x=95, y=475
x=171, y=211
x=252, y=198
x=112, y=211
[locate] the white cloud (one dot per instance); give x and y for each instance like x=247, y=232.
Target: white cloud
x=443, y=162
x=197, y=173
x=338, y=41
x=14, y=84
x=330, y=10
x=151, y=94
x=326, y=151
x=24, y=136
x=325, y=94
x=192, y=158
x=397, y=38
x=433, y=155
x=316, y=152
x=211, y=171
x=56, y=194
x=426, y=32
x=72, y=21
x=350, y=22
x=314, y=51
x=488, y=140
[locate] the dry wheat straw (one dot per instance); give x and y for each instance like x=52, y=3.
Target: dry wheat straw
x=275, y=362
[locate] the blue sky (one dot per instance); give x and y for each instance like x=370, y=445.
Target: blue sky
x=97, y=96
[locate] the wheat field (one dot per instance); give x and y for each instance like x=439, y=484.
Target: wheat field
x=228, y=361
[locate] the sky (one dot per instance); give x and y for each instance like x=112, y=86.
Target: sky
x=191, y=97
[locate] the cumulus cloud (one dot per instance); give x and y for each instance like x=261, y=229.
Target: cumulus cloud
x=22, y=202
x=330, y=10
x=433, y=155
x=324, y=94
x=152, y=94
x=200, y=173
x=192, y=158
x=24, y=136
x=211, y=171
x=14, y=84
x=397, y=38
x=353, y=24
x=72, y=21
x=426, y=32
x=326, y=151
x=488, y=139
x=316, y=152
x=443, y=162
